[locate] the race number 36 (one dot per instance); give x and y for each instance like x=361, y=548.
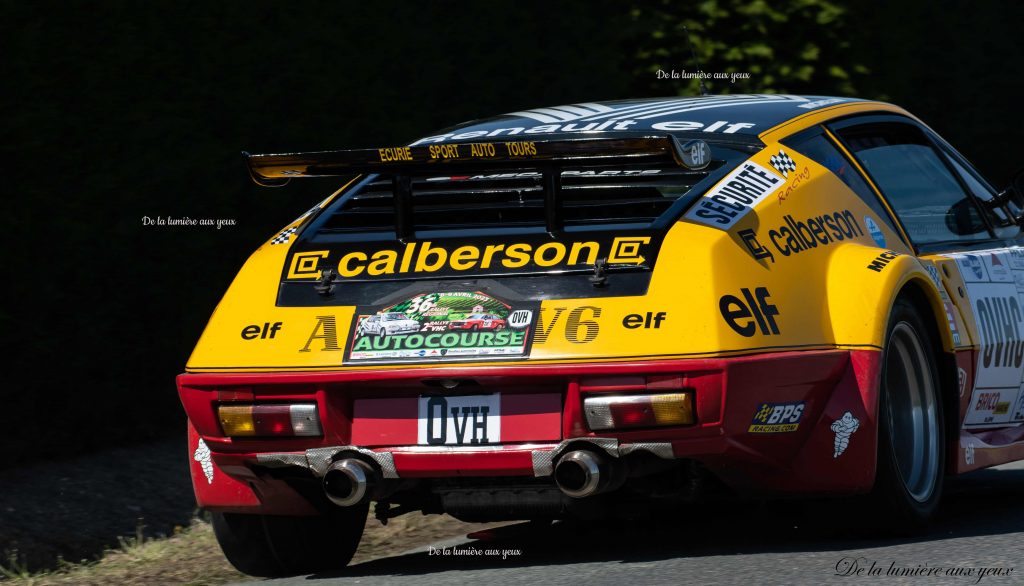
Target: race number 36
x=459, y=421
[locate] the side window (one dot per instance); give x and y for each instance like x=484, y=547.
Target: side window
x=1003, y=225
x=822, y=151
x=919, y=186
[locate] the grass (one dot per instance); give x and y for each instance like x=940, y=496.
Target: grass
x=190, y=556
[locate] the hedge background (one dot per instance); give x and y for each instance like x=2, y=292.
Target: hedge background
x=116, y=111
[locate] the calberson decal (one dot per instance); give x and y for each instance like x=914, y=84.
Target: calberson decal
x=799, y=235
x=440, y=326
x=394, y=260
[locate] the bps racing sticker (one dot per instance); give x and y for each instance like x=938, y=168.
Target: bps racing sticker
x=448, y=325
x=777, y=418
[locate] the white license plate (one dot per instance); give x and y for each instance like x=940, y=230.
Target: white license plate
x=460, y=421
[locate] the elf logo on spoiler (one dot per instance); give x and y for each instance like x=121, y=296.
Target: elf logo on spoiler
x=458, y=421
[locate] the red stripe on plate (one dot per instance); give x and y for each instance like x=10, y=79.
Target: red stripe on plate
x=385, y=422
x=531, y=417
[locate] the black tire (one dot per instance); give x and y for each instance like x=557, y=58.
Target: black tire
x=911, y=452
x=382, y=333
x=270, y=545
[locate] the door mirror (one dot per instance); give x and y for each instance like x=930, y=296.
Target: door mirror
x=962, y=219
x=1011, y=199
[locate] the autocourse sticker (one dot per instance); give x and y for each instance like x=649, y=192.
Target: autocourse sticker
x=441, y=325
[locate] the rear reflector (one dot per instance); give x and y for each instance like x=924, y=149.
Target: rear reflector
x=626, y=411
x=269, y=420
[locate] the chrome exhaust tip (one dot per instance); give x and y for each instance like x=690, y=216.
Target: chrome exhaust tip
x=348, y=482
x=579, y=473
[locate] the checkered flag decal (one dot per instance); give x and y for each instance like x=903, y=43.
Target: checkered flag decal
x=782, y=163
x=284, y=236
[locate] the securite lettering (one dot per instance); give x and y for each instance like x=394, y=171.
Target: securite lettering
x=735, y=195
x=999, y=319
x=425, y=257
x=267, y=330
x=750, y=314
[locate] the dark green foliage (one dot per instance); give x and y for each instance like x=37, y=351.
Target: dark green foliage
x=796, y=47
x=116, y=111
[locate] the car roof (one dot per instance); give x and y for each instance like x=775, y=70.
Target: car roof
x=719, y=116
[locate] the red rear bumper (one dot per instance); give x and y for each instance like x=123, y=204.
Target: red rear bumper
x=729, y=394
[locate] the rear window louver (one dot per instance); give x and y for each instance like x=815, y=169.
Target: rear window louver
x=590, y=196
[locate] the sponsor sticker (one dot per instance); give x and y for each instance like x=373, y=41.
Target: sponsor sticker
x=441, y=325
x=696, y=154
x=735, y=196
x=972, y=268
x=844, y=428
x=882, y=260
x=783, y=163
x=777, y=418
x=875, y=231
x=750, y=314
x=757, y=250
x=202, y=455
x=428, y=258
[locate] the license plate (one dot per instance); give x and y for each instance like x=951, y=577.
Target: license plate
x=459, y=421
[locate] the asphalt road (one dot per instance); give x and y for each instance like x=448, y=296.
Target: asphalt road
x=980, y=529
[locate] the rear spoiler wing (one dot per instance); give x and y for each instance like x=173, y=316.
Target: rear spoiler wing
x=277, y=169
x=549, y=156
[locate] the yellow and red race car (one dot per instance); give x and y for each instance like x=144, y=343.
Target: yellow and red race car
x=762, y=294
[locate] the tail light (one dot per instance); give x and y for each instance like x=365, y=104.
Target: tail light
x=646, y=410
x=301, y=420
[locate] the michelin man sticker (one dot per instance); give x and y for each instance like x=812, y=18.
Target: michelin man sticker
x=202, y=456
x=844, y=428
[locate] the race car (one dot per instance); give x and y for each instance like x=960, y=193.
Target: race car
x=746, y=295
x=478, y=321
x=386, y=324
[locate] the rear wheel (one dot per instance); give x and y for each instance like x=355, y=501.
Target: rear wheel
x=270, y=545
x=911, y=436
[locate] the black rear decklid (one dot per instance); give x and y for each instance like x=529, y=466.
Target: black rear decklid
x=508, y=212
x=548, y=159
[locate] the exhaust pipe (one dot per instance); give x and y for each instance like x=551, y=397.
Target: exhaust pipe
x=581, y=473
x=349, y=482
